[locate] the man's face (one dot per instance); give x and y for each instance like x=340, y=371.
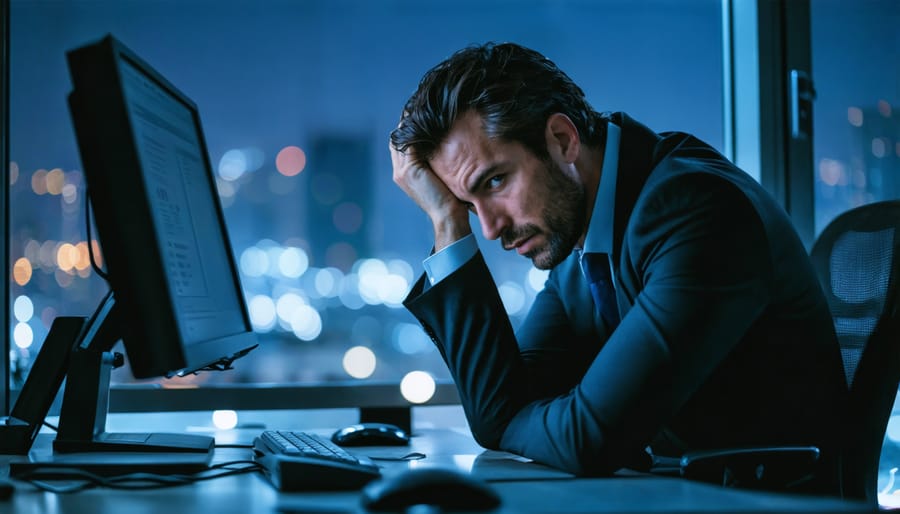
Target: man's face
x=532, y=205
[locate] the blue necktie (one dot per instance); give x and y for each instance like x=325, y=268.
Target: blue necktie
x=596, y=268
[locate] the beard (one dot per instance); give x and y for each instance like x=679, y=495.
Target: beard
x=563, y=217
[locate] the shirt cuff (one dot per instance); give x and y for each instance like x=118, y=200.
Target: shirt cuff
x=441, y=264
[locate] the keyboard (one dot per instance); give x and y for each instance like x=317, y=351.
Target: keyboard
x=302, y=461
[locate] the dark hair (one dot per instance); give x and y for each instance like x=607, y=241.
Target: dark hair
x=513, y=89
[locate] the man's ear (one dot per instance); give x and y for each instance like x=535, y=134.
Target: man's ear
x=562, y=137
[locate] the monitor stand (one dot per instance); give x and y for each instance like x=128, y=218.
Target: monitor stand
x=82, y=420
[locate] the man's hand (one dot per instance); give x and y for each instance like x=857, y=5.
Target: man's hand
x=448, y=214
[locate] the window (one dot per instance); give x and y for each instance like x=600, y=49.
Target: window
x=297, y=100
x=857, y=132
x=857, y=109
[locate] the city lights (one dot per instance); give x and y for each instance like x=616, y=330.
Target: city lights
x=537, y=278
x=22, y=271
x=513, y=297
x=359, y=362
x=286, y=306
x=23, y=336
x=306, y=323
x=290, y=161
x=409, y=338
x=55, y=180
x=855, y=116
x=417, y=387
x=293, y=262
x=39, y=182
x=23, y=309
x=262, y=313
x=254, y=262
x=225, y=419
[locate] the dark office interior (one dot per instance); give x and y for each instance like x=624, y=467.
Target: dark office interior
x=297, y=99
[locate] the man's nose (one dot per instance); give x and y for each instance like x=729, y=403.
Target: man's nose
x=492, y=224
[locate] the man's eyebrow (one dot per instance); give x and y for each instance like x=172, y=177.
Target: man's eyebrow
x=480, y=177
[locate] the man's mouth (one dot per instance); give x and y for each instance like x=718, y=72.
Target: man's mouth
x=521, y=246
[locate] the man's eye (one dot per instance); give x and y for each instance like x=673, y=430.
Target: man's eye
x=495, y=181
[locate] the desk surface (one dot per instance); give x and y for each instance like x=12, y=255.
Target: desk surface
x=523, y=486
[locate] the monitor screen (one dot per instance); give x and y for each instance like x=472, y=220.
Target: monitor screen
x=169, y=261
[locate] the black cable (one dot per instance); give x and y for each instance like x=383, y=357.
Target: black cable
x=50, y=426
x=90, y=241
x=85, y=480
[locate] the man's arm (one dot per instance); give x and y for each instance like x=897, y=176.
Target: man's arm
x=449, y=216
x=700, y=255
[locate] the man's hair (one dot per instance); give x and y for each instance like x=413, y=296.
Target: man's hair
x=512, y=88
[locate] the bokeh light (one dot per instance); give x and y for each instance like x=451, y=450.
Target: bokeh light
x=67, y=256
x=879, y=147
x=262, y=313
x=23, y=336
x=359, y=362
x=306, y=323
x=830, y=171
x=39, y=182
x=537, y=278
x=22, y=271
x=513, y=297
x=409, y=338
x=225, y=419
x=254, y=262
x=855, y=116
x=417, y=387
x=55, y=179
x=23, y=309
x=290, y=161
x=232, y=165
x=328, y=282
x=293, y=262
x=285, y=307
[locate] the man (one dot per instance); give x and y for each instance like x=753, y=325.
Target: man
x=681, y=311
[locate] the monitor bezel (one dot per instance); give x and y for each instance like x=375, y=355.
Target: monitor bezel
x=135, y=268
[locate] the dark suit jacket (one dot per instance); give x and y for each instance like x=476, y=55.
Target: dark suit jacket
x=725, y=338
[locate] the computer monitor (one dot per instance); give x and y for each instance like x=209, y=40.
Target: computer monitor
x=175, y=297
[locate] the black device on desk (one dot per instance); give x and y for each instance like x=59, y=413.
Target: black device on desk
x=370, y=434
x=175, y=298
x=302, y=461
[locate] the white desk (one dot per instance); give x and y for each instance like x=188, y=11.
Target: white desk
x=523, y=486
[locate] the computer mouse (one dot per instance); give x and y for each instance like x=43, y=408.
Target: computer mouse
x=371, y=434
x=446, y=489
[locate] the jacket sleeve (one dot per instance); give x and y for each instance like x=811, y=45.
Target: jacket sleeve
x=697, y=248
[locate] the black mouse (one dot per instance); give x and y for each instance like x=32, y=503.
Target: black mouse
x=371, y=434
x=447, y=489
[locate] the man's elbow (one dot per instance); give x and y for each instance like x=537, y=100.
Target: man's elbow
x=487, y=435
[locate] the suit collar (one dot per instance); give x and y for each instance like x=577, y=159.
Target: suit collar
x=637, y=156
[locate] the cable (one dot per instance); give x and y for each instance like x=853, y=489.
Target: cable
x=90, y=240
x=50, y=426
x=85, y=480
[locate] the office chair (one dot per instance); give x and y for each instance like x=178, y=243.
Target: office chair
x=856, y=259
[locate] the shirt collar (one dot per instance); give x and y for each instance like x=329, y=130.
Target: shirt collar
x=599, y=237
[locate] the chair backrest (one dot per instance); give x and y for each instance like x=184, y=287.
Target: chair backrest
x=857, y=258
